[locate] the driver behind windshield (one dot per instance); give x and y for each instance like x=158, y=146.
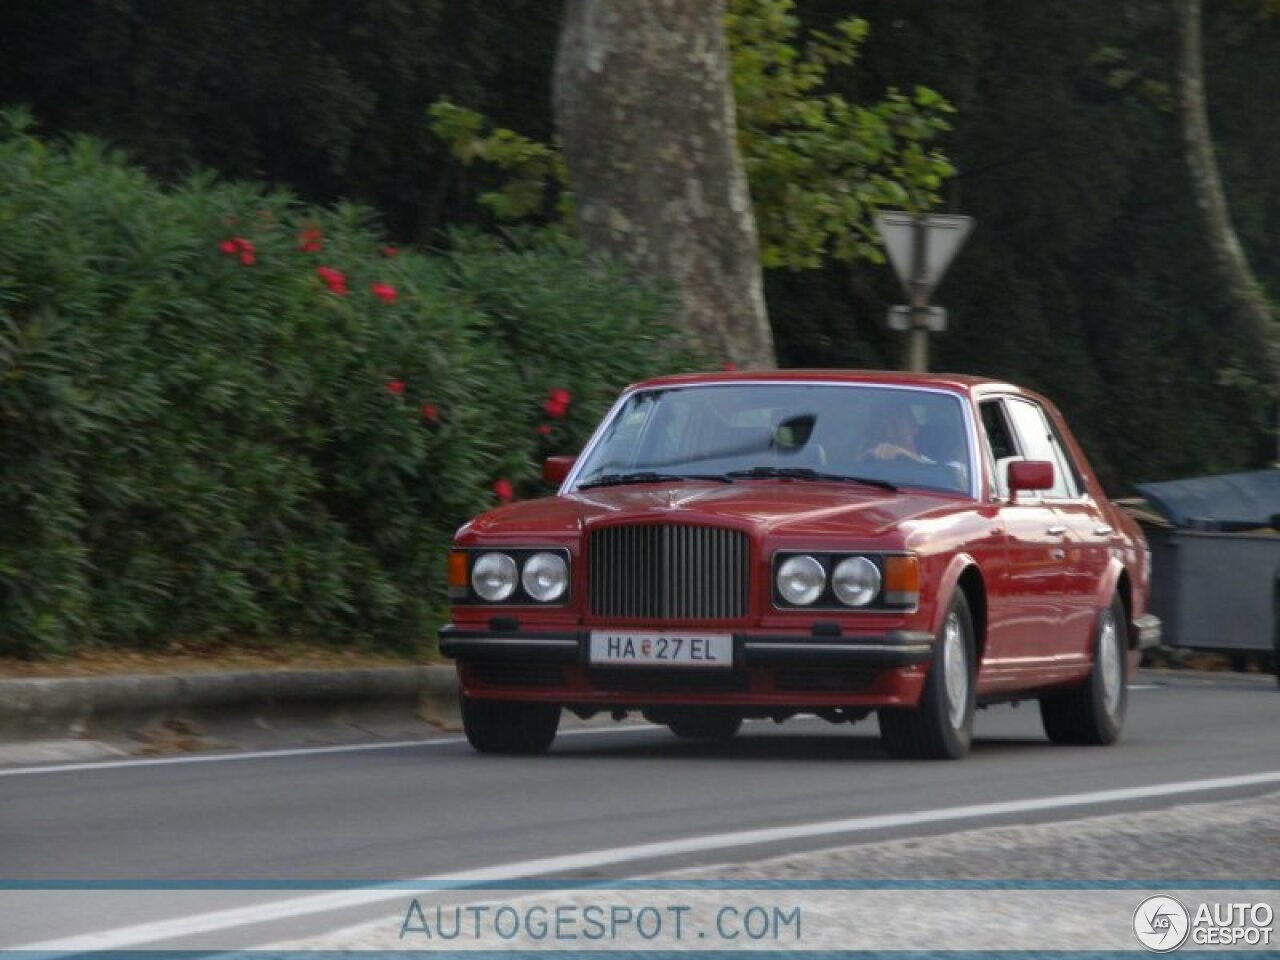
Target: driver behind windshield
x=893, y=435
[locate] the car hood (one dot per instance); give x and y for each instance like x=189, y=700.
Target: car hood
x=767, y=506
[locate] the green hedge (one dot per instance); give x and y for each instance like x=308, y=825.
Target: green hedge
x=213, y=424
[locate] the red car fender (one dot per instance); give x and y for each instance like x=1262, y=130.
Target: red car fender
x=946, y=588
x=1107, y=588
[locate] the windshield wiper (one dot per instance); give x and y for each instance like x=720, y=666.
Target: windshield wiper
x=806, y=473
x=648, y=476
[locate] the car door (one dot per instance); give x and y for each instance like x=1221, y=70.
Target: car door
x=1027, y=600
x=1092, y=539
x=1073, y=556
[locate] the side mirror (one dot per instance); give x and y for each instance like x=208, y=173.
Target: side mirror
x=555, y=469
x=1030, y=475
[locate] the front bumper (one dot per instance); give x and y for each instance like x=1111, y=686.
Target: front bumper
x=770, y=675
x=897, y=648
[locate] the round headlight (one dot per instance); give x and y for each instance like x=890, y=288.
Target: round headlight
x=856, y=581
x=545, y=577
x=494, y=576
x=801, y=580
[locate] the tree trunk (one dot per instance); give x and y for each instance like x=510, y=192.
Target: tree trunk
x=645, y=114
x=1246, y=294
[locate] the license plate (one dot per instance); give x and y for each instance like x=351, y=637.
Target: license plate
x=662, y=649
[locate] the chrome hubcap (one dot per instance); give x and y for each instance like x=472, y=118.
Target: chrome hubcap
x=1109, y=657
x=955, y=665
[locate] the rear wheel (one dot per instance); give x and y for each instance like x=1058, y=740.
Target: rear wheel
x=1093, y=712
x=941, y=725
x=495, y=726
x=707, y=724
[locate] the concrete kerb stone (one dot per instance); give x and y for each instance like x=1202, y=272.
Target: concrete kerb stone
x=84, y=707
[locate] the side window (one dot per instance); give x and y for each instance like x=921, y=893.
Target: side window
x=1000, y=442
x=1037, y=442
x=1075, y=479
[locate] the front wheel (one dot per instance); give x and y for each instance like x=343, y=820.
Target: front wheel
x=496, y=726
x=1093, y=712
x=941, y=725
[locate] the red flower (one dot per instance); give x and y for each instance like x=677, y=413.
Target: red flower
x=333, y=279
x=238, y=246
x=557, y=403
x=502, y=487
x=544, y=428
x=730, y=366
x=383, y=291
x=311, y=239
x=390, y=252
x=395, y=387
x=430, y=412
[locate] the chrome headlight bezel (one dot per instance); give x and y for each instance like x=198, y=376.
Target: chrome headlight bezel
x=463, y=589
x=886, y=599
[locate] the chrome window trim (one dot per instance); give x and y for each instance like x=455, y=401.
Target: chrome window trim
x=967, y=412
x=1001, y=395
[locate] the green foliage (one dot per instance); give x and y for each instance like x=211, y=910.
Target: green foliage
x=532, y=168
x=325, y=96
x=819, y=166
x=201, y=435
x=1088, y=276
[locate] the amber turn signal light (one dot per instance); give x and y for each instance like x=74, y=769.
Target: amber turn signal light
x=902, y=581
x=457, y=573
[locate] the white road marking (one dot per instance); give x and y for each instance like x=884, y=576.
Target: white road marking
x=292, y=752
x=137, y=935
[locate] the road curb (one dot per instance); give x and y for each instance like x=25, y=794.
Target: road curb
x=89, y=707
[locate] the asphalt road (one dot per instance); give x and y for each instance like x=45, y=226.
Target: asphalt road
x=437, y=808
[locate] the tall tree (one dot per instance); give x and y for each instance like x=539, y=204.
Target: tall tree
x=645, y=113
x=1245, y=292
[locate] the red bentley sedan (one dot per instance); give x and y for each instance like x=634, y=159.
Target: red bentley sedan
x=821, y=542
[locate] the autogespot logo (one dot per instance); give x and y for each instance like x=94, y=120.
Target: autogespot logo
x=1161, y=924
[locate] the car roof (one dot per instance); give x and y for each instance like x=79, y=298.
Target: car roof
x=958, y=382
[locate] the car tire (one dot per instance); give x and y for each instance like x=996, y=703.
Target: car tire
x=496, y=726
x=941, y=725
x=705, y=724
x=1092, y=713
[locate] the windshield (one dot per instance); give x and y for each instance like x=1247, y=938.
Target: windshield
x=886, y=435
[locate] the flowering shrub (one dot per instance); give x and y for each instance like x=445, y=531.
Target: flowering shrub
x=206, y=433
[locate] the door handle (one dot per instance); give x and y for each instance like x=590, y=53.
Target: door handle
x=1056, y=530
x=1103, y=531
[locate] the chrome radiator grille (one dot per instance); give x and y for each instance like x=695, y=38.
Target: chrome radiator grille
x=668, y=572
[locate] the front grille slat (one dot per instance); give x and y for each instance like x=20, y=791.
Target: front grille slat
x=668, y=572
